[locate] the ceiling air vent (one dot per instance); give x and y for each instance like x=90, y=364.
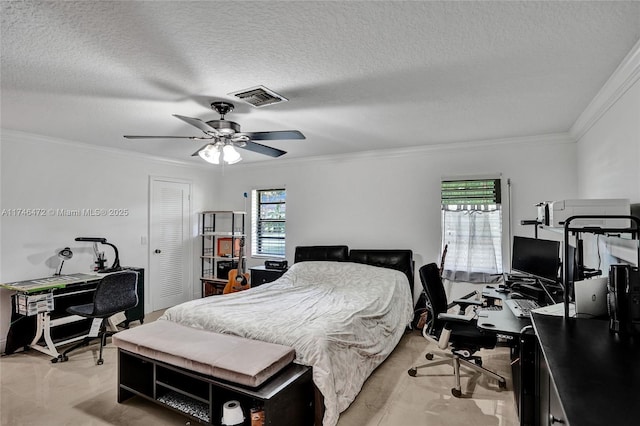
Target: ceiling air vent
x=259, y=96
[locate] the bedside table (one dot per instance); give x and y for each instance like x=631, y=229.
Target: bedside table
x=261, y=275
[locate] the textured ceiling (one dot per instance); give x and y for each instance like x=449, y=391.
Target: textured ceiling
x=360, y=76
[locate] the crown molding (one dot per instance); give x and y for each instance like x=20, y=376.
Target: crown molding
x=625, y=76
x=551, y=138
x=13, y=134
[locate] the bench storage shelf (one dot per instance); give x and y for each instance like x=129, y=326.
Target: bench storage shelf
x=286, y=398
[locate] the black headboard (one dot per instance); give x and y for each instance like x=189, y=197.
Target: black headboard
x=331, y=253
x=400, y=260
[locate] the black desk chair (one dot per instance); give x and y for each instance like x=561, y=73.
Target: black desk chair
x=456, y=332
x=115, y=293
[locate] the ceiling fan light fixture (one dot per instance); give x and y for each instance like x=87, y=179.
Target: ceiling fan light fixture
x=230, y=155
x=225, y=136
x=227, y=131
x=210, y=154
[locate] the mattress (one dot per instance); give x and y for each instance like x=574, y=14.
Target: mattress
x=343, y=319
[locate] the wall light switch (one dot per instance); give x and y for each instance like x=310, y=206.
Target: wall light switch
x=143, y=240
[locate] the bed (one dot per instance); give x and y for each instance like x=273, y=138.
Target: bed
x=342, y=311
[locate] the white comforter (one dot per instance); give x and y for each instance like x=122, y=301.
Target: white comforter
x=343, y=319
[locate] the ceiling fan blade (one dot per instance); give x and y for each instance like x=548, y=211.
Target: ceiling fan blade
x=159, y=137
x=263, y=149
x=196, y=122
x=274, y=136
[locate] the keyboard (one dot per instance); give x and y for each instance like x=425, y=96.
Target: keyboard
x=521, y=307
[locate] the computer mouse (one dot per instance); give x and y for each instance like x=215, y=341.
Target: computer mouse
x=515, y=295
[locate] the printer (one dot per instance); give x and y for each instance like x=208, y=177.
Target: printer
x=555, y=213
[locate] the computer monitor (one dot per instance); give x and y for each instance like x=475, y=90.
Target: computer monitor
x=537, y=258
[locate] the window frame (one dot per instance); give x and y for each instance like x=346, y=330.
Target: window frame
x=473, y=195
x=257, y=240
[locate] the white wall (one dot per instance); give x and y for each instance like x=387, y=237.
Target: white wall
x=42, y=173
x=609, y=152
x=608, y=149
x=384, y=200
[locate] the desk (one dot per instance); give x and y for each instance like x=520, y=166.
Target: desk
x=510, y=328
x=587, y=376
x=502, y=322
x=54, y=326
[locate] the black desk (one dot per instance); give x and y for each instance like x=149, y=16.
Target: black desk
x=509, y=328
x=50, y=328
x=502, y=322
x=591, y=376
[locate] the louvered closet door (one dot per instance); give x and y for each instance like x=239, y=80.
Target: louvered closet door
x=169, y=244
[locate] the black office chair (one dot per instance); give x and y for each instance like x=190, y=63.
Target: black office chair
x=456, y=332
x=115, y=293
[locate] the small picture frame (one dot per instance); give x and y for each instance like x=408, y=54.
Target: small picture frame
x=224, y=247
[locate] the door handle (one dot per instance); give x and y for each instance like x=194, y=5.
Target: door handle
x=158, y=251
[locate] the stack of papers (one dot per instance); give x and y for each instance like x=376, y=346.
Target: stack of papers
x=556, y=310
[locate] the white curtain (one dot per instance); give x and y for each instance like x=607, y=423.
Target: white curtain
x=473, y=237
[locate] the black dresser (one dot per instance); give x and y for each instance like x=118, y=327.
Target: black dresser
x=261, y=275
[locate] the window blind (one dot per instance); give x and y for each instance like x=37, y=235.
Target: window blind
x=268, y=231
x=470, y=192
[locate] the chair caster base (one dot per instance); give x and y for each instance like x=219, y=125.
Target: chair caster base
x=456, y=392
x=60, y=358
x=429, y=356
x=502, y=384
x=100, y=362
x=412, y=372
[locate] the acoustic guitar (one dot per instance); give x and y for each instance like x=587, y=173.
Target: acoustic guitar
x=238, y=278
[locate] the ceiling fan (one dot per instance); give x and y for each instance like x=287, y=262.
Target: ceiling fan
x=224, y=136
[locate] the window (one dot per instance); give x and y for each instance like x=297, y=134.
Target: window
x=268, y=222
x=472, y=229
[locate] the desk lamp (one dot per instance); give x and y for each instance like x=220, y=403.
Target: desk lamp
x=64, y=254
x=116, y=263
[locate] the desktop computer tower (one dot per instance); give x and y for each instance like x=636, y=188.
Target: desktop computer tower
x=624, y=299
x=525, y=380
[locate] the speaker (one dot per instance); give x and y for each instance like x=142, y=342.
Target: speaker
x=224, y=267
x=280, y=265
x=624, y=299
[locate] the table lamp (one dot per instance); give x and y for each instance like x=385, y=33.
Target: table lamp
x=64, y=254
x=116, y=263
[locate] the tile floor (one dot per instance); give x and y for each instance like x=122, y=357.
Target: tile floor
x=35, y=392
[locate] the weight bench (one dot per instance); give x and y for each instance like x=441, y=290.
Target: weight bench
x=196, y=372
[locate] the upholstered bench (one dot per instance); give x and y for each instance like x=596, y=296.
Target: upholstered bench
x=196, y=372
x=232, y=358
